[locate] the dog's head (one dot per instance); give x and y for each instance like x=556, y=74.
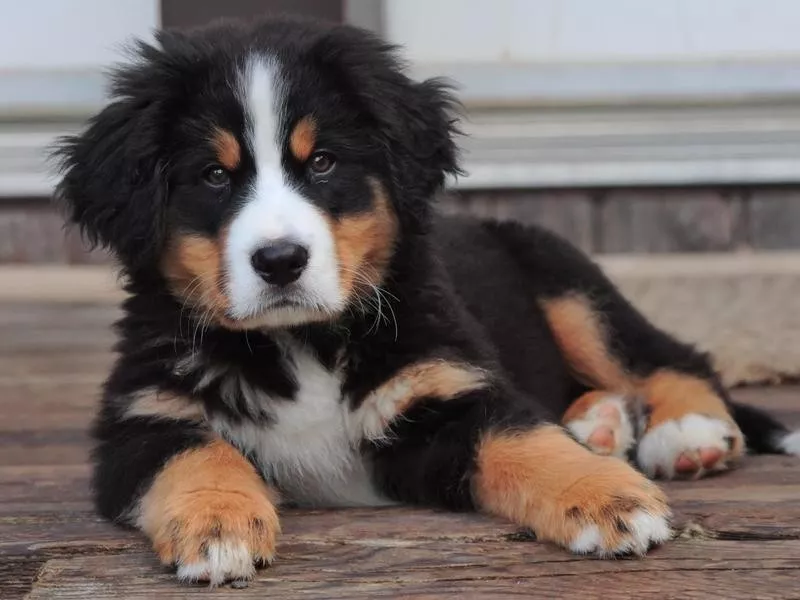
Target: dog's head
x=264, y=174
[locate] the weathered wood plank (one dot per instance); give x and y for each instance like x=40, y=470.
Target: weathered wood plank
x=34, y=233
x=50, y=525
x=61, y=404
x=48, y=285
x=730, y=527
x=670, y=221
x=568, y=213
x=36, y=328
x=775, y=218
x=648, y=220
x=388, y=569
x=30, y=449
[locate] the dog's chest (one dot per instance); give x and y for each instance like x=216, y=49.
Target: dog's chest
x=310, y=449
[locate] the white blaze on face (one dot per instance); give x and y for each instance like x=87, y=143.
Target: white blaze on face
x=275, y=210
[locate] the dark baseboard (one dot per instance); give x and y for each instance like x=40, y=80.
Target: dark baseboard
x=628, y=221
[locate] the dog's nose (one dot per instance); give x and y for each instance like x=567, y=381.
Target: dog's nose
x=281, y=262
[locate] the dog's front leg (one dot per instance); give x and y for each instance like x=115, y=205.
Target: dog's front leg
x=486, y=451
x=209, y=513
x=541, y=478
x=204, y=507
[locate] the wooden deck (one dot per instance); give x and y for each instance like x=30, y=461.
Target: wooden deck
x=738, y=535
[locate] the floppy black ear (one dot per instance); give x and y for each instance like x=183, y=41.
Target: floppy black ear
x=422, y=126
x=417, y=120
x=113, y=186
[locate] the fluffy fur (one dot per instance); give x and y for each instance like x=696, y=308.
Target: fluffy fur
x=301, y=325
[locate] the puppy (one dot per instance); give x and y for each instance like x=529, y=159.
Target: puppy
x=301, y=326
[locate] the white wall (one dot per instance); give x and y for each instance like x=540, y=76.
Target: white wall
x=52, y=53
x=615, y=92
x=70, y=34
x=594, y=30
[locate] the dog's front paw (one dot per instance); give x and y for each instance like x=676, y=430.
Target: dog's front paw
x=689, y=431
x=210, y=514
x=217, y=536
x=690, y=446
x=615, y=512
x=591, y=504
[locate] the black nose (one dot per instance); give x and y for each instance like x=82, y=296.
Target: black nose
x=281, y=262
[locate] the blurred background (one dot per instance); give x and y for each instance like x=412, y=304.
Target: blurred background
x=662, y=136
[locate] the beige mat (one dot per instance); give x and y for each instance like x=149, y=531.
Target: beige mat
x=745, y=309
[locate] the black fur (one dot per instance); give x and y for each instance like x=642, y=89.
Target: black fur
x=459, y=290
x=761, y=430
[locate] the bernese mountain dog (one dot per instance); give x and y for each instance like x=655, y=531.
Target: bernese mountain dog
x=303, y=328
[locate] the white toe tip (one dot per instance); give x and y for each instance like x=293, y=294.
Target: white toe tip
x=193, y=572
x=790, y=443
x=646, y=529
x=589, y=540
x=224, y=560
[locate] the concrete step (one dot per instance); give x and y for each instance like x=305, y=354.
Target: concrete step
x=743, y=308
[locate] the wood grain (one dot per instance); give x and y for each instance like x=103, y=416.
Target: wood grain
x=738, y=534
x=430, y=569
x=775, y=218
x=33, y=232
x=568, y=213
x=670, y=221
x=619, y=220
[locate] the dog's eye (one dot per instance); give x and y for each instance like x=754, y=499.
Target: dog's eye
x=216, y=176
x=321, y=163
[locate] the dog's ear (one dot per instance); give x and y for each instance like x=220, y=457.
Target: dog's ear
x=417, y=121
x=113, y=185
x=422, y=125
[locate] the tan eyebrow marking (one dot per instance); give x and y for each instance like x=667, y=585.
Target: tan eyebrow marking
x=303, y=138
x=229, y=153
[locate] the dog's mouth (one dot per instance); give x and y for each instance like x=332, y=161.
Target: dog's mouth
x=288, y=307
x=292, y=296
x=288, y=301
x=284, y=303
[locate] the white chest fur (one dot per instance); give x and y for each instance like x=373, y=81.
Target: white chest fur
x=311, y=449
